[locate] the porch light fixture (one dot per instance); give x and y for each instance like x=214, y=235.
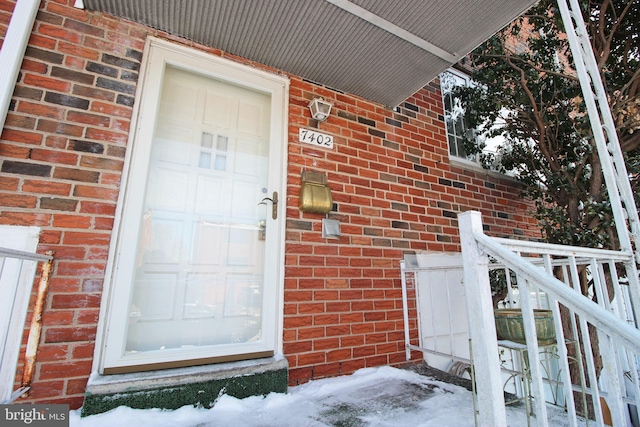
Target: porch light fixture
x=320, y=109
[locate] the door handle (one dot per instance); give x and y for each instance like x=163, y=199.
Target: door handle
x=274, y=204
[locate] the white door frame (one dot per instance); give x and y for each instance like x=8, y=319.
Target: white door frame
x=157, y=54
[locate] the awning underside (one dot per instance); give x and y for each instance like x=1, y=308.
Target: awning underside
x=379, y=49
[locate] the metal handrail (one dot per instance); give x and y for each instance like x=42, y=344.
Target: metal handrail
x=28, y=256
x=35, y=328
x=594, y=313
x=528, y=246
x=619, y=343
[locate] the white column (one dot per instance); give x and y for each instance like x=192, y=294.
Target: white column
x=13, y=48
x=482, y=328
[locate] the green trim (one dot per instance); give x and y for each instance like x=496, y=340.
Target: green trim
x=198, y=393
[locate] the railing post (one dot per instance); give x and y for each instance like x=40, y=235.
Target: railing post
x=482, y=328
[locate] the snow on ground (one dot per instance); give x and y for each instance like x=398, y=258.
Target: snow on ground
x=372, y=397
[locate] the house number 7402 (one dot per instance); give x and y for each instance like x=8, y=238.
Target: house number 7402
x=316, y=138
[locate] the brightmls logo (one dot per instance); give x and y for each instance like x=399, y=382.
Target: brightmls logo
x=34, y=415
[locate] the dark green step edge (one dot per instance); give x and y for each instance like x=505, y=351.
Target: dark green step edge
x=268, y=377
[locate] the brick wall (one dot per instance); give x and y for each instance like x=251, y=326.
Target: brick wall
x=396, y=192
x=62, y=153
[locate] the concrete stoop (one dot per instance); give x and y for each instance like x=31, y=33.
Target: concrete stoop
x=174, y=388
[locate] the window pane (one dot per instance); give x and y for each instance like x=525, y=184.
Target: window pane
x=205, y=160
x=207, y=140
x=454, y=113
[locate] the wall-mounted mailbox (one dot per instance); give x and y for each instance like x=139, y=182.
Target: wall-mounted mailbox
x=315, y=194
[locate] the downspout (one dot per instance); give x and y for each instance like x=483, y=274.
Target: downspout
x=12, y=52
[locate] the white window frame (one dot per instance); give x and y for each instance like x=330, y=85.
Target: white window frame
x=453, y=145
x=157, y=54
x=468, y=161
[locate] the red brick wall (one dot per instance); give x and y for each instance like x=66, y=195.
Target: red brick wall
x=396, y=193
x=62, y=153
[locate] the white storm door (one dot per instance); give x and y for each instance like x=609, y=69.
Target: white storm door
x=202, y=284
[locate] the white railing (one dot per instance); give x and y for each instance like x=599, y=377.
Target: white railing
x=554, y=277
x=17, y=271
x=436, y=280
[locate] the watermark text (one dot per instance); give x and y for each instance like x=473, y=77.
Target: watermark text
x=34, y=415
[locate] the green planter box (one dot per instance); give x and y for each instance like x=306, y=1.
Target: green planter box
x=509, y=325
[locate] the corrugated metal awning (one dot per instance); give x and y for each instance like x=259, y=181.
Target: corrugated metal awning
x=379, y=49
